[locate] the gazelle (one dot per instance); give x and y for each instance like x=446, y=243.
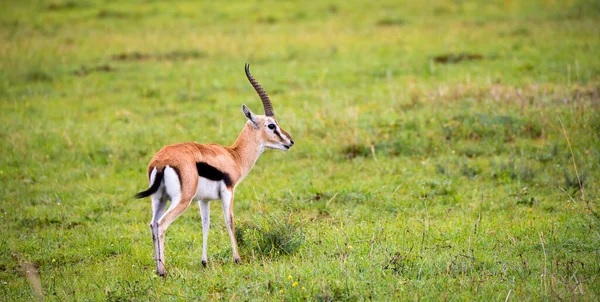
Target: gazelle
x=204, y=172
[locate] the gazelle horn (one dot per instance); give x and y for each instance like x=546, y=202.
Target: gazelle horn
x=264, y=97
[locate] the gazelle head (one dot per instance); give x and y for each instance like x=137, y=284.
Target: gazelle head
x=270, y=134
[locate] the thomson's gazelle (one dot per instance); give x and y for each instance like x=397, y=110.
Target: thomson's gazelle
x=203, y=172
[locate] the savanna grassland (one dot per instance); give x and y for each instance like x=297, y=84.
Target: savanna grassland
x=444, y=150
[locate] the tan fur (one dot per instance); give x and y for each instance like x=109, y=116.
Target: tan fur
x=182, y=155
x=236, y=160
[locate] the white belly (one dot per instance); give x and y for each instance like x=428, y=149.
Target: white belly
x=208, y=189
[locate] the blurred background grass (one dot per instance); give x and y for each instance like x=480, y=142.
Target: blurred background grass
x=430, y=159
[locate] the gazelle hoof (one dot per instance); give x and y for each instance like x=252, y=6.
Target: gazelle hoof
x=204, y=263
x=160, y=269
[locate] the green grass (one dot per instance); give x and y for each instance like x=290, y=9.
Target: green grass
x=431, y=158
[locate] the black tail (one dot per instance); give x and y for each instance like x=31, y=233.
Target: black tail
x=153, y=188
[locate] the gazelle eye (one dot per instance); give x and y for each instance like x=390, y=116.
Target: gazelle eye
x=271, y=126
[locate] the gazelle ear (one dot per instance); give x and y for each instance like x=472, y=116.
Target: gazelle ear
x=251, y=117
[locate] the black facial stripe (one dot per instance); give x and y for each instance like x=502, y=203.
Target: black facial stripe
x=209, y=172
x=278, y=134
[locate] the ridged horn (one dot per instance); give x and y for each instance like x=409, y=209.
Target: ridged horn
x=264, y=97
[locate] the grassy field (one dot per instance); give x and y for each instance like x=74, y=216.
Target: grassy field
x=444, y=151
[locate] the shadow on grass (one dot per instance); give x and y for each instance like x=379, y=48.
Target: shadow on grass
x=270, y=237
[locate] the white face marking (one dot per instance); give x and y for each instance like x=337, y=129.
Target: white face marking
x=277, y=139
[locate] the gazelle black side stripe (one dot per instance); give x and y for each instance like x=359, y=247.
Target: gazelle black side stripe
x=209, y=172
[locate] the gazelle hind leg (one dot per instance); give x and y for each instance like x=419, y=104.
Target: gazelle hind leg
x=181, y=197
x=205, y=216
x=227, y=201
x=159, y=202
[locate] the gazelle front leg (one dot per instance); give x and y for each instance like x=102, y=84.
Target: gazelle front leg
x=227, y=201
x=205, y=216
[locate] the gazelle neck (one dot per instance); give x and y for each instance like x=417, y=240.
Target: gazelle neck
x=248, y=147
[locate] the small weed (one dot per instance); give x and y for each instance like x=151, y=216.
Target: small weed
x=321, y=204
x=441, y=169
x=400, y=264
x=513, y=170
x=525, y=199
x=461, y=263
x=574, y=181
x=125, y=290
x=356, y=150
x=436, y=188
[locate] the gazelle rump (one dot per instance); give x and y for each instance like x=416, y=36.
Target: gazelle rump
x=186, y=172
